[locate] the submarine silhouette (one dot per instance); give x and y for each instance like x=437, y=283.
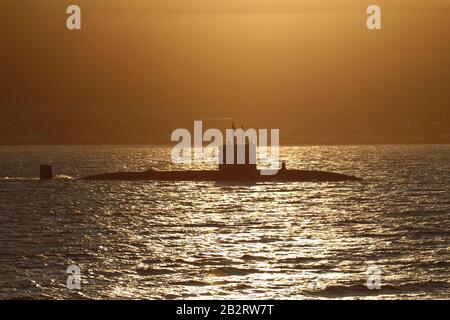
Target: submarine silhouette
x=231, y=169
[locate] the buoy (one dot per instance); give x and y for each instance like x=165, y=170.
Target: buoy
x=46, y=172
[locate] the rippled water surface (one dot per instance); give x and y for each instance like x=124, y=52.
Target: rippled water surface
x=222, y=240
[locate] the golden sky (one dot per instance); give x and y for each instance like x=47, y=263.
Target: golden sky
x=257, y=60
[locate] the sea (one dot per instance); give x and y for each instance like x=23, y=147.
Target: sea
x=385, y=237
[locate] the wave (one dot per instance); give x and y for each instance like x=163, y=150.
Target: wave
x=18, y=179
x=153, y=271
x=64, y=177
x=191, y=283
x=362, y=290
x=249, y=257
x=58, y=177
x=296, y=260
x=232, y=271
x=424, y=212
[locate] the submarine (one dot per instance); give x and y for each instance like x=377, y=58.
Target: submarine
x=229, y=171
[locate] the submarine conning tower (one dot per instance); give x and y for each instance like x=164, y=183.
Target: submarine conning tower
x=238, y=155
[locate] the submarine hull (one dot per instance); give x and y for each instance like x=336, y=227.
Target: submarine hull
x=212, y=175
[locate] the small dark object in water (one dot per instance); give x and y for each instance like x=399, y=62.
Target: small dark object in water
x=46, y=172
